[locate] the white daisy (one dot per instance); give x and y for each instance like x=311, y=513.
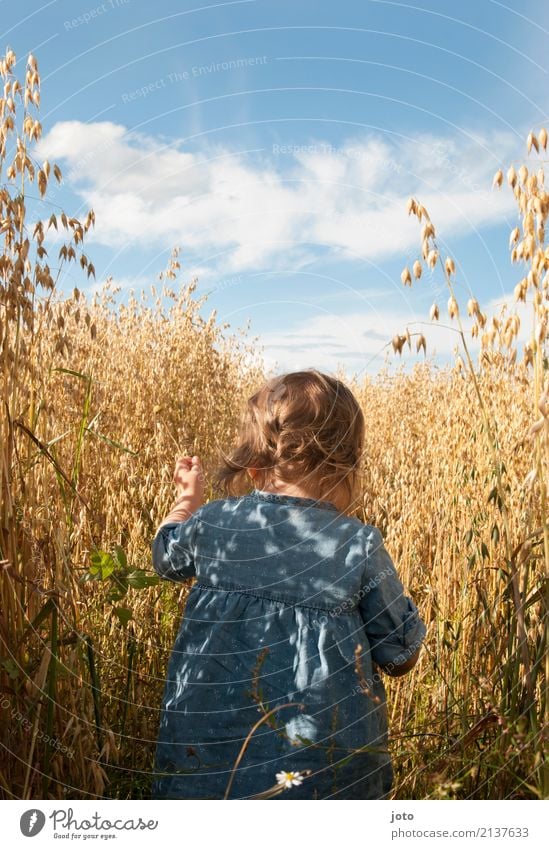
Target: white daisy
x=289, y=779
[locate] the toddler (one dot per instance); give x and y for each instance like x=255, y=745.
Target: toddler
x=273, y=686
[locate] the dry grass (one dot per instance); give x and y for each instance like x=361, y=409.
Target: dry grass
x=428, y=480
x=96, y=402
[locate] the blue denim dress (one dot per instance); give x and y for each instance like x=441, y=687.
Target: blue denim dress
x=294, y=606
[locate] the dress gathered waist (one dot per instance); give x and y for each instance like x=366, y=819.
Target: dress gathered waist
x=339, y=610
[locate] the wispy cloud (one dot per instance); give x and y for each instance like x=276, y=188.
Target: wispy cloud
x=237, y=211
x=362, y=340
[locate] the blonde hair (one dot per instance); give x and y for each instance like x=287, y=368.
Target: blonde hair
x=301, y=427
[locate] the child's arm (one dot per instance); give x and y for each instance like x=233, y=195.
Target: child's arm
x=173, y=545
x=189, y=483
x=392, y=622
x=402, y=668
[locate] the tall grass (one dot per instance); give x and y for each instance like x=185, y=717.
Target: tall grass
x=521, y=520
x=463, y=722
x=98, y=398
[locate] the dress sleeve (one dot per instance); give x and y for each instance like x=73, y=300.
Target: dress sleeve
x=173, y=549
x=391, y=619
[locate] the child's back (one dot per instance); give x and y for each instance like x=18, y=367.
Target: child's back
x=288, y=588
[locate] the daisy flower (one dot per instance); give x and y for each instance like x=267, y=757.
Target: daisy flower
x=289, y=779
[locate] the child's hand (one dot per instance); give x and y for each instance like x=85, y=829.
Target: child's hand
x=189, y=483
x=189, y=480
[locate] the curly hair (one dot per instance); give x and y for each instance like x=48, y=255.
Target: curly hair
x=302, y=427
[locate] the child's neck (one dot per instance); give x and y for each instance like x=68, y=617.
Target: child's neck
x=288, y=489
x=284, y=488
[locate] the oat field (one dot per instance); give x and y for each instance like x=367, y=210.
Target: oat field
x=97, y=400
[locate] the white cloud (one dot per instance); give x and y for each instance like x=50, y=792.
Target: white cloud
x=234, y=213
x=361, y=340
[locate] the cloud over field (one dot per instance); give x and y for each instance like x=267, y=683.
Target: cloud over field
x=239, y=210
x=361, y=340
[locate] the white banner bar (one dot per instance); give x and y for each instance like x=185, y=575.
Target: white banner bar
x=381, y=823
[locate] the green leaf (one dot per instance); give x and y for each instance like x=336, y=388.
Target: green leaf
x=119, y=589
x=102, y=565
x=124, y=614
x=11, y=667
x=87, y=576
x=107, y=567
x=139, y=579
x=120, y=556
x=112, y=442
x=45, y=611
x=74, y=373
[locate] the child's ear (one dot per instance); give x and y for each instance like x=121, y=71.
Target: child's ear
x=252, y=473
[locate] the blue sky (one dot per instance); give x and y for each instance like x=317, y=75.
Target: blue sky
x=276, y=143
